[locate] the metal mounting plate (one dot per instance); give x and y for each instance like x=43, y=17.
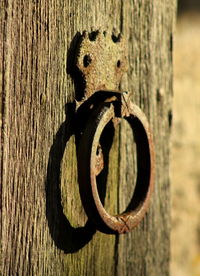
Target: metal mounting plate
x=102, y=60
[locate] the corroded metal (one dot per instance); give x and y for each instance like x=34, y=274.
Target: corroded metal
x=126, y=221
x=102, y=60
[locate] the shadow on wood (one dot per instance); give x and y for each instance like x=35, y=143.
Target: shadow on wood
x=68, y=238
x=65, y=236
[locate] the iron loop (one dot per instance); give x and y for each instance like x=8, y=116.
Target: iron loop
x=89, y=166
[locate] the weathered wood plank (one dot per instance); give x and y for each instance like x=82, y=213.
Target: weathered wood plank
x=45, y=230
x=146, y=250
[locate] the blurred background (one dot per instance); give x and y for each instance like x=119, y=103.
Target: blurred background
x=185, y=156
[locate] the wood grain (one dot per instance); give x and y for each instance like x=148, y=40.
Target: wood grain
x=44, y=228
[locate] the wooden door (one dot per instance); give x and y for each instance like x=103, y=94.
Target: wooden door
x=44, y=226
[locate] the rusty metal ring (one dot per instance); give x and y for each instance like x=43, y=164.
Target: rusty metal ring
x=137, y=208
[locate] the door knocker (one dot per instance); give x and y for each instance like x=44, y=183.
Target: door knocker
x=102, y=61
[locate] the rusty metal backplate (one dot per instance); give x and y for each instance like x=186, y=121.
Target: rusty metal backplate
x=102, y=60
